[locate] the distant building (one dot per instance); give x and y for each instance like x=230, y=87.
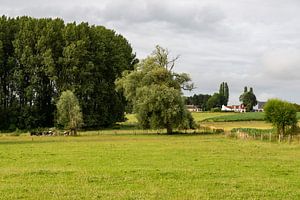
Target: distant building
x=260, y=106
x=234, y=108
x=193, y=108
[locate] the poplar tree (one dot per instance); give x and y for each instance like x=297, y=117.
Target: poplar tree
x=41, y=58
x=224, y=93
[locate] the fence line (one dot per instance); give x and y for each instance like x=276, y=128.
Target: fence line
x=271, y=137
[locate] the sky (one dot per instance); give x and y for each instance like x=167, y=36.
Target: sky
x=250, y=43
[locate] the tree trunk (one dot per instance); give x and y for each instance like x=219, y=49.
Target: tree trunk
x=169, y=129
x=283, y=130
x=73, y=131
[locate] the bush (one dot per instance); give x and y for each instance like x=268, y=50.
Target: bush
x=282, y=115
x=252, y=131
x=215, y=110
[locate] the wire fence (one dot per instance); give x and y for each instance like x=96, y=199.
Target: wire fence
x=265, y=135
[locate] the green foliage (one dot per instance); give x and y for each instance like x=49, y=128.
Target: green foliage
x=40, y=58
x=68, y=111
x=216, y=101
x=281, y=114
x=215, y=110
x=252, y=131
x=297, y=106
x=155, y=92
x=248, y=99
x=224, y=92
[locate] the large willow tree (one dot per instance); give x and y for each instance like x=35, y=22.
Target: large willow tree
x=40, y=58
x=155, y=92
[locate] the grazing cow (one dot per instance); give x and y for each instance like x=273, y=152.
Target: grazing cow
x=42, y=133
x=32, y=133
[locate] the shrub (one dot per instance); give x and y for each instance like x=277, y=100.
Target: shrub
x=252, y=131
x=282, y=115
x=216, y=110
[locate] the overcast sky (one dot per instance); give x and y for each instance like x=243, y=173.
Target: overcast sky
x=253, y=43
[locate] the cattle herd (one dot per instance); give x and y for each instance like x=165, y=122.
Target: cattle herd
x=48, y=133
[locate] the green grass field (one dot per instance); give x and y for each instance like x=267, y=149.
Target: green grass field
x=201, y=116
x=249, y=116
x=147, y=167
x=227, y=126
x=198, y=116
x=223, y=120
x=215, y=117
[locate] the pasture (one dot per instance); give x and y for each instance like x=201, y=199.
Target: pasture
x=219, y=120
x=235, y=117
x=249, y=116
x=227, y=126
x=147, y=167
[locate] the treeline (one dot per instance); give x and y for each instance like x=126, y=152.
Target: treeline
x=208, y=102
x=199, y=100
x=41, y=58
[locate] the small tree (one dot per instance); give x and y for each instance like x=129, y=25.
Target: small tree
x=281, y=114
x=68, y=110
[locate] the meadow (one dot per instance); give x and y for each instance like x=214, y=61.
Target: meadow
x=219, y=120
x=129, y=163
x=233, y=117
x=147, y=167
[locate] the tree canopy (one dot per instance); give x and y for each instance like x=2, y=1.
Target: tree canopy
x=224, y=92
x=155, y=92
x=282, y=114
x=68, y=111
x=248, y=99
x=215, y=101
x=41, y=58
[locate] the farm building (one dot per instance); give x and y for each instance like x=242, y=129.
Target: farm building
x=193, y=108
x=260, y=106
x=234, y=108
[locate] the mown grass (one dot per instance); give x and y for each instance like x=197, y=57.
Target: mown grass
x=201, y=116
x=228, y=126
x=147, y=167
x=219, y=120
x=215, y=117
x=198, y=116
x=249, y=116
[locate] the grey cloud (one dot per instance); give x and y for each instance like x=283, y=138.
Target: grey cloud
x=183, y=16
x=250, y=42
x=282, y=64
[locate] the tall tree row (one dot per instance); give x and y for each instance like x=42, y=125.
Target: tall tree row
x=41, y=58
x=224, y=92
